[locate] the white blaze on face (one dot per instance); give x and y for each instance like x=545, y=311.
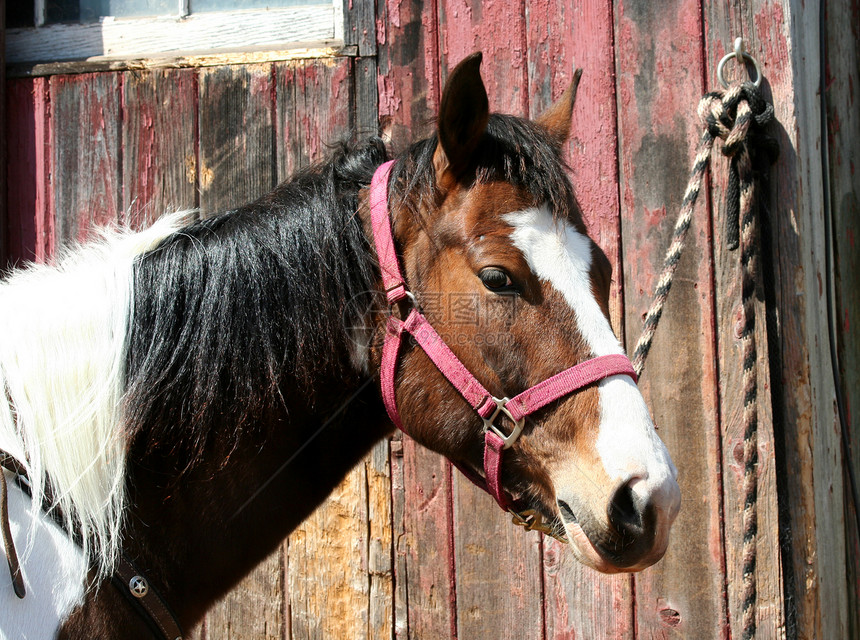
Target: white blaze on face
x=627, y=443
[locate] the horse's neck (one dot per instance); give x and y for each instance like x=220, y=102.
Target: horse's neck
x=198, y=537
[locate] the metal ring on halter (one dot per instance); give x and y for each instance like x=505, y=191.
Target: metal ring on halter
x=740, y=54
x=518, y=424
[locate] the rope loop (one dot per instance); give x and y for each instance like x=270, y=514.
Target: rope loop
x=739, y=116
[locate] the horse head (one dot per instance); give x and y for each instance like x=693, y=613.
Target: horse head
x=495, y=255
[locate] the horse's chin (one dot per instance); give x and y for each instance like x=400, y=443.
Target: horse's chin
x=591, y=556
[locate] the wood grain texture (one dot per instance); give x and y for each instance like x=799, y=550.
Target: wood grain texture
x=4, y=220
x=724, y=23
x=804, y=398
x=658, y=53
x=340, y=577
x=562, y=37
x=30, y=220
x=315, y=110
x=159, y=159
x=328, y=578
x=86, y=176
x=359, y=27
x=408, y=80
x=237, y=137
x=425, y=544
x=498, y=30
x=843, y=117
x=366, y=98
x=237, y=164
x=498, y=570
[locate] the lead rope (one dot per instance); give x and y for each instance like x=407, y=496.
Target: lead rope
x=738, y=117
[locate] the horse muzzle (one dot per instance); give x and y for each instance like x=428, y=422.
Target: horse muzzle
x=630, y=532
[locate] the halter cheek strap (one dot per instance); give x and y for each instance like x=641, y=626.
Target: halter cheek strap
x=487, y=406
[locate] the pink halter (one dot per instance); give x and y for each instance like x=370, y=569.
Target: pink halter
x=487, y=406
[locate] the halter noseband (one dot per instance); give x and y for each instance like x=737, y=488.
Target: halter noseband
x=488, y=407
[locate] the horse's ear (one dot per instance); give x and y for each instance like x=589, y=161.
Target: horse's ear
x=463, y=116
x=556, y=119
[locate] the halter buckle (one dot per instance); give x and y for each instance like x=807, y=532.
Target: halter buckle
x=518, y=424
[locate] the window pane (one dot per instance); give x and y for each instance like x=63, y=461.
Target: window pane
x=19, y=13
x=61, y=11
x=198, y=6
x=92, y=10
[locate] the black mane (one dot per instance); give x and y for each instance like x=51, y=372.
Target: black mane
x=235, y=308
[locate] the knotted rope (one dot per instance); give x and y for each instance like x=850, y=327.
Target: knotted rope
x=738, y=116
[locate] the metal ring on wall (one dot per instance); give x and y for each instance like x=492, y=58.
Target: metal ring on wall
x=740, y=54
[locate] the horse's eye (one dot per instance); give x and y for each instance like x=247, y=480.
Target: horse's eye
x=496, y=280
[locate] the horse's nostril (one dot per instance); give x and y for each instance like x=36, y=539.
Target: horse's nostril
x=567, y=513
x=624, y=511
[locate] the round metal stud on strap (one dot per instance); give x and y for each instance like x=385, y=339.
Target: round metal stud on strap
x=740, y=54
x=518, y=424
x=138, y=586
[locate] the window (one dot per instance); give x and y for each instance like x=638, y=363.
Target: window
x=65, y=30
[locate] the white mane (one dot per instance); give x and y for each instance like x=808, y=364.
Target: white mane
x=62, y=364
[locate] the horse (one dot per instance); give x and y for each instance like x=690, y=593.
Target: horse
x=177, y=400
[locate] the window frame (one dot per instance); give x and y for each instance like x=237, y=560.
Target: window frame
x=216, y=32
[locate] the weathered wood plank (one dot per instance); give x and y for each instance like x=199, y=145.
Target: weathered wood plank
x=498, y=570
x=408, y=68
x=31, y=223
x=237, y=164
x=340, y=578
x=237, y=140
x=379, y=566
x=86, y=170
x=366, y=98
x=425, y=538
x=315, y=109
x=578, y=601
x=359, y=29
x=803, y=398
x=562, y=37
x=843, y=116
x=658, y=54
x=724, y=22
x=4, y=220
x=498, y=30
x=159, y=152
x=328, y=585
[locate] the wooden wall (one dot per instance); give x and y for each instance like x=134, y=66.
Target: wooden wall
x=406, y=548
x=3, y=224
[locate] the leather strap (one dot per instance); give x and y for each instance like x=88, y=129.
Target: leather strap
x=10, y=463
x=145, y=598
